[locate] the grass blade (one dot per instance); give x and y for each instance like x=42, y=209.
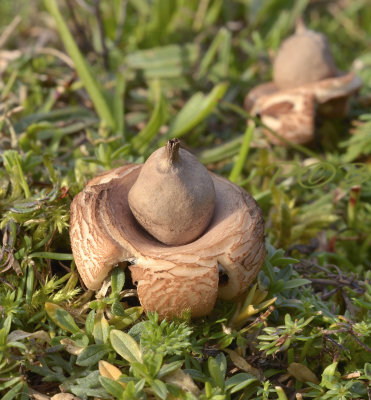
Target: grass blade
x=196, y=110
x=144, y=137
x=244, y=151
x=118, y=104
x=82, y=68
x=221, y=43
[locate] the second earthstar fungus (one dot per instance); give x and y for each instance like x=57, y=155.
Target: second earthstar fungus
x=306, y=83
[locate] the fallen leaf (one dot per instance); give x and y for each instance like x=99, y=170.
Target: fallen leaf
x=20, y=335
x=71, y=346
x=242, y=364
x=64, y=396
x=110, y=371
x=183, y=381
x=302, y=373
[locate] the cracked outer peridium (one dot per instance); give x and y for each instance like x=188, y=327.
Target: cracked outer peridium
x=170, y=279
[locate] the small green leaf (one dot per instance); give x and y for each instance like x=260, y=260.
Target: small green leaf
x=328, y=376
x=7, y=322
x=168, y=368
x=117, y=280
x=17, y=345
x=101, y=328
x=196, y=110
x=25, y=394
x=281, y=393
x=137, y=330
x=239, y=381
x=140, y=370
x=283, y=261
x=196, y=375
x=126, y=318
x=293, y=283
x=208, y=389
x=61, y=318
x=362, y=303
x=216, y=372
x=12, y=393
x=30, y=284
x=2, y=339
x=126, y=346
x=288, y=320
x=117, y=309
x=153, y=362
x=9, y=383
x=66, y=321
x=92, y=354
x=112, y=387
x=89, y=323
x=130, y=390
x=159, y=388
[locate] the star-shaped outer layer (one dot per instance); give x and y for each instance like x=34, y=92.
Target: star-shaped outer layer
x=170, y=279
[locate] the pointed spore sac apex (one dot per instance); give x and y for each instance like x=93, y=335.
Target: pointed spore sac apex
x=173, y=198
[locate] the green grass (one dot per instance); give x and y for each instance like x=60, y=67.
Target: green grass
x=176, y=68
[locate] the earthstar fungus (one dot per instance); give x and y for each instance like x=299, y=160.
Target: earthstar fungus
x=305, y=83
x=171, y=279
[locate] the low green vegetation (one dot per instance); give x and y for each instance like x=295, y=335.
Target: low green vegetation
x=86, y=86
